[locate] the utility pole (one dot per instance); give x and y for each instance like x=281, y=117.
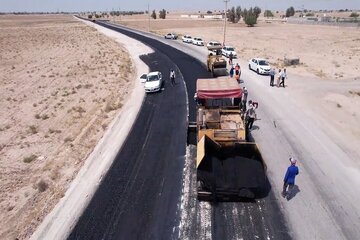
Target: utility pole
x=149, y=15
x=225, y=20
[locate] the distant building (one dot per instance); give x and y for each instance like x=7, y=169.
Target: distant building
x=207, y=16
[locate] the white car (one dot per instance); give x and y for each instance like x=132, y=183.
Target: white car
x=198, y=41
x=154, y=82
x=171, y=36
x=260, y=65
x=187, y=39
x=143, y=78
x=226, y=50
x=213, y=44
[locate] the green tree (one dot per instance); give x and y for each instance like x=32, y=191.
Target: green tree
x=162, y=14
x=244, y=13
x=231, y=15
x=290, y=12
x=153, y=15
x=238, y=13
x=257, y=11
x=268, y=13
x=250, y=17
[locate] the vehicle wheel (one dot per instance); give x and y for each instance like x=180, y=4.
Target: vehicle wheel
x=257, y=70
x=249, y=67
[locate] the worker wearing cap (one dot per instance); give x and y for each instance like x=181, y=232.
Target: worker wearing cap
x=289, y=179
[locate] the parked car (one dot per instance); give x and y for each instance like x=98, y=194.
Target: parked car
x=260, y=65
x=198, y=41
x=171, y=36
x=143, y=78
x=154, y=82
x=213, y=44
x=187, y=39
x=226, y=50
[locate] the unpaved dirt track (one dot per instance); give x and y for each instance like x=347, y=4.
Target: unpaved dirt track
x=149, y=193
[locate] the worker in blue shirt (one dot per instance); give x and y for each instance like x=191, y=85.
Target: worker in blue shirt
x=289, y=179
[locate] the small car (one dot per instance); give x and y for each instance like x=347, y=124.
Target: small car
x=187, y=39
x=260, y=65
x=213, y=44
x=226, y=50
x=171, y=36
x=198, y=41
x=154, y=82
x=143, y=78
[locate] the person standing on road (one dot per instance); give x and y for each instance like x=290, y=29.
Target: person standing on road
x=244, y=100
x=172, y=77
x=231, y=58
x=272, y=77
x=250, y=117
x=232, y=71
x=278, y=78
x=289, y=179
x=283, y=77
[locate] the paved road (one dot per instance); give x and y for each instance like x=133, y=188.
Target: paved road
x=149, y=192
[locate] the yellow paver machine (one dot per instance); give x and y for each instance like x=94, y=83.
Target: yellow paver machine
x=229, y=168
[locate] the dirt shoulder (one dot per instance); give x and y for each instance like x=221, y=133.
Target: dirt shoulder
x=62, y=84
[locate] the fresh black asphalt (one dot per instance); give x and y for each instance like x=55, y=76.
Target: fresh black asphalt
x=140, y=195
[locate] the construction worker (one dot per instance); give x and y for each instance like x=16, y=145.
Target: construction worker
x=232, y=70
x=231, y=56
x=237, y=72
x=250, y=116
x=283, y=77
x=289, y=179
x=272, y=76
x=172, y=77
x=244, y=99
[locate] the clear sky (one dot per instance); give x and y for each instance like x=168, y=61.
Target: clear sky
x=103, y=5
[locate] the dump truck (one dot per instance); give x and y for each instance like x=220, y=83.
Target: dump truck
x=228, y=167
x=216, y=64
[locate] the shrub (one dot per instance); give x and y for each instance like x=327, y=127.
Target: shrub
x=354, y=15
x=290, y=12
x=153, y=15
x=162, y=14
x=42, y=186
x=33, y=129
x=268, y=13
x=30, y=158
x=250, y=17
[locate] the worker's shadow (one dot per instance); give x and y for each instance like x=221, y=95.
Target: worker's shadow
x=295, y=190
x=249, y=136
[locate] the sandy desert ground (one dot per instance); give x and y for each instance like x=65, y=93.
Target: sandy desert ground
x=62, y=83
x=326, y=52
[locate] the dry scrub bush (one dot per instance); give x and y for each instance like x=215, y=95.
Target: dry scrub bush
x=112, y=106
x=30, y=158
x=51, y=131
x=78, y=109
x=42, y=186
x=33, y=129
x=68, y=139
